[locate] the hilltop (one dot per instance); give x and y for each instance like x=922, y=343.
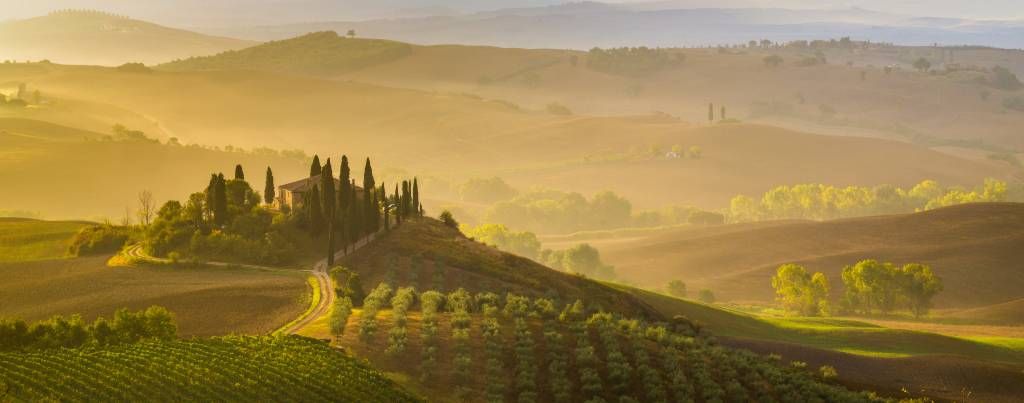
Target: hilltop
x=319, y=53
x=93, y=37
x=972, y=247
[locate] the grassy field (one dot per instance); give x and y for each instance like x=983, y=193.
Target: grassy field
x=234, y=368
x=974, y=248
x=23, y=240
x=207, y=301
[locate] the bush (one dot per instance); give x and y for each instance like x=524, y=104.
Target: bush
x=448, y=220
x=706, y=296
x=828, y=372
x=99, y=239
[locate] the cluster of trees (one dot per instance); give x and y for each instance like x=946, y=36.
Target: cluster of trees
x=96, y=239
x=522, y=243
x=633, y=61
x=226, y=222
x=801, y=292
x=154, y=323
x=348, y=212
x=677, y=288
x=552, y=211
x=581, y=259
x=486, y=190
x=824, y=202
x=870, y=287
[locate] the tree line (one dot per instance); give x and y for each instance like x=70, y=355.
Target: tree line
x=869, y=287
x=825, y=202
x=153, y=323
x=342, y=212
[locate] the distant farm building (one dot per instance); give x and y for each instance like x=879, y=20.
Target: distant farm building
x=293, y=195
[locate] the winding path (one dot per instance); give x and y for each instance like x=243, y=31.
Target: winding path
x=319, y=271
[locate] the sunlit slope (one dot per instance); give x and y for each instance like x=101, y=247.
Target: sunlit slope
x=902, y=104
x=90, y=37
x=975, y=249
x=1008, y=313
x=320, y=53
x=26, y=239
x=461, y=136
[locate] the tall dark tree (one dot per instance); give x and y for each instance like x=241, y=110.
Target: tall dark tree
x=314, y=168
x=711, y=112
x=384, y=207
x=269, y=190
x=369, y=210
x=415, y=196
x=329, y=205
x=210, y=195
x=355, y=219
x=398, y=206
x=344, y=177
x=722, y=115
x=220, y=202
x=316, y=215
x=239, y=174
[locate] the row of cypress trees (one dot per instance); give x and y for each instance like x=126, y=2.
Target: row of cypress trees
x=342, y=213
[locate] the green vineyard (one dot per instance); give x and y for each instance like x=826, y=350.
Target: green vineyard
x=238, y=368
x=487, y=348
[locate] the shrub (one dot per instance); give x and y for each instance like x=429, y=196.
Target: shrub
x=99, y=239
x=828, y=372
x=448, y=220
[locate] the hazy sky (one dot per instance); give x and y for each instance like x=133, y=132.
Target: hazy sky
x=241, y=12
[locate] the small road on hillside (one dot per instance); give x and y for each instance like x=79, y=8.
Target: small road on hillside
x=320, y=272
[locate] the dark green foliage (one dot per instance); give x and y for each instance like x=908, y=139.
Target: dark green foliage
x=220, y=201
x=316, y=214
x=269, y=189
x=632, y=61
x=98, y=239
x=449, y=220
x=314, y=167
x=239, y=173
x=416, y=196
x=234, y=369
x=370, y=216
x=154, y=323
x=345, y=187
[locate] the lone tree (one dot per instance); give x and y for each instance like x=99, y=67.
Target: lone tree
x=922, y=64
x=268, y=190
x=706, y=296
x=314, y=168
x=711, y=112
x=239, y=174
x=722, y=114
x=800, y=292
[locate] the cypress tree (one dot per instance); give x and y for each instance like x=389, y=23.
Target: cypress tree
x=384, y=207
x=398, y=207
x=314, y=168
x=210, y=197
x=316, y=217
x=356, y=220
x=711, y=112
x=220, y=202
x=415, y=196
x=369, y=216
x=344, y=177
x=269, y=190
x=329, y=204
x=722, y=115
x=239, y=174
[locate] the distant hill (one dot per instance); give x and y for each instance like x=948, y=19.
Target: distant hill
x=92, y=37
x=582, y=25
x=317, y=53
x=975, y=248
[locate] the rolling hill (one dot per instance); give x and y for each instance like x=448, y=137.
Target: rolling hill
x=456, y=136
x=23, y=239
x=93, y=37
x=972, y=247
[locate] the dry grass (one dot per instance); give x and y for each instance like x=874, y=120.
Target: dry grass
x=26, y=240
x=206, y=301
